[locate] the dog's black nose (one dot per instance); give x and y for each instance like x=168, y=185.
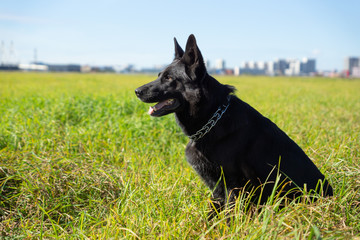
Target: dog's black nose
x=138, y=92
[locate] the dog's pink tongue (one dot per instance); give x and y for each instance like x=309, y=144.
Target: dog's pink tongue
x=157, y=107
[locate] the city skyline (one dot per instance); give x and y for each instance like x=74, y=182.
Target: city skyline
x=141, y=32
x=289, y=67
x=293, y=64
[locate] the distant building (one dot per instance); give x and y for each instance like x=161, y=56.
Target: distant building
x=270, y=68
x=252, y=65
x=294, y=67
x=356, y=72
x=276, y=67
x=9, y=67
x=33, y=67
x=245, y=65
x=308, y=66
x=85, y=69
x=262, y=65
x=220, y=64
x=237, y=71
x=207, y=63
x=297, y=67
x=64, y=67
x=280, y=65
x=350, y=63
x=229, y=72
x=251, y=68
x=290, y=67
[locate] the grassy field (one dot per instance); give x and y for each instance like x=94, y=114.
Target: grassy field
x=81, y=159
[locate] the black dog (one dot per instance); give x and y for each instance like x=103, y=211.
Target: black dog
x=231, y=146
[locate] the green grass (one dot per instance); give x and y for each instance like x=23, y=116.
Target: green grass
x=81, y=159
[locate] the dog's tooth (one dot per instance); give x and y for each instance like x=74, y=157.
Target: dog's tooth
x=151, y=110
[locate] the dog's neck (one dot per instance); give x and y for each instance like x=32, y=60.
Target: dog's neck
x=194, y=117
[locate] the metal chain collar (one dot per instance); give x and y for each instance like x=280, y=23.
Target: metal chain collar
x=212, y=121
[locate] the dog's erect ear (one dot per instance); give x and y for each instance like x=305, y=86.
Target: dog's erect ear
x=193, y=59
x=179, y=52
x=192, y=53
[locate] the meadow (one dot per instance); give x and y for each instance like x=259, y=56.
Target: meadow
x=81, y=159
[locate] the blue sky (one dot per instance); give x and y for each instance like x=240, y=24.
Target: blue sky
x=141, y=32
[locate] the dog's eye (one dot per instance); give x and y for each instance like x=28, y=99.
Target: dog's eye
x=168, y=78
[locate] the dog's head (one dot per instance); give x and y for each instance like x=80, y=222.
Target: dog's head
x=178, y=83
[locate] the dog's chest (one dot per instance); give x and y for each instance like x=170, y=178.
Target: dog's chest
x=209, y=171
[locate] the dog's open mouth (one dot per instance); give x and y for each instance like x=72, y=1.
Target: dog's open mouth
x=163, y=107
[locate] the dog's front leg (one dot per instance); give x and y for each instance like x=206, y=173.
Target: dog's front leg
x=217, y=202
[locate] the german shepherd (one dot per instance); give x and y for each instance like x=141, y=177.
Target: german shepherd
x=232, y=146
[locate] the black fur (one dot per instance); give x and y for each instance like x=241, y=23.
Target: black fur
x=243, y=149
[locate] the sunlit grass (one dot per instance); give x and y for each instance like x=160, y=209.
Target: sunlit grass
x=80, y=158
